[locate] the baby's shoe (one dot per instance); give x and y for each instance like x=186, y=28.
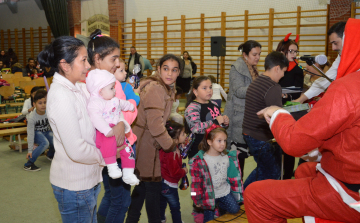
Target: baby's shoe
x=129, y=177
x=114, y=170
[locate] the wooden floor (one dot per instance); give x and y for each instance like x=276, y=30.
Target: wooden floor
x=241, y=218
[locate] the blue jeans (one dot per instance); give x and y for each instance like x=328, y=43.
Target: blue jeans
x=268, y=160
x=170, y=195
x=227, y=203
x=77, y=206
x=116, y=200
x=44, y=141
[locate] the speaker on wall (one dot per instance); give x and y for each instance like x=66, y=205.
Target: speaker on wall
x=218, y=46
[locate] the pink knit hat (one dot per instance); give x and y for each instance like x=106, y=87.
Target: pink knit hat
x=98, y=79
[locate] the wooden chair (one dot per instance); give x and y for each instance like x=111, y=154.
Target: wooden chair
x=25, y=78
x=28, y=88
x=23, y=84
x=16, y=81
x=6, y=92
x=9, y=80
x=4, y=76
x=49, y=80
x=40, y=81
x=18, y=74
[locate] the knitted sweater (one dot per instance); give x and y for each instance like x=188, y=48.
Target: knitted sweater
x=77, y=163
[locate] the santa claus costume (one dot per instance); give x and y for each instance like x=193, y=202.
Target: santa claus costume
x=322, y=190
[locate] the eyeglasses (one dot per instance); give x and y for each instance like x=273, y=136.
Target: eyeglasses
x=293, y=51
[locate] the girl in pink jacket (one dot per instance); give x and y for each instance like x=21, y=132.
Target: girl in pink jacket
x=105, y=112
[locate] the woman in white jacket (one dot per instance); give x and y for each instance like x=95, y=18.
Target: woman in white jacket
x=75, y=171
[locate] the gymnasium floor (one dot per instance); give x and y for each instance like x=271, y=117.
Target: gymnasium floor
x=27, y=196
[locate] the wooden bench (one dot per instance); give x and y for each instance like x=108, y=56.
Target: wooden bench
x=15, y=131
x=17, y=105
x=6, y=116
x=241, y=217
x=11, y=125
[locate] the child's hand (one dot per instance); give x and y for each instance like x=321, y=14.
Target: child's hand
x=220, y=119
x=198, y=206
x=177, y=152
x=29, y=155
x=226, y=120
x=186, y=170
x=137, y=90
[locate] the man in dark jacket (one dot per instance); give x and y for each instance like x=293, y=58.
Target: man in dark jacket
x=135, y=58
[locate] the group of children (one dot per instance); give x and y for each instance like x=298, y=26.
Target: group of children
x=215, y=172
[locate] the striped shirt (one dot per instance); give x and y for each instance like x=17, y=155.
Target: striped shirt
x=261, y=93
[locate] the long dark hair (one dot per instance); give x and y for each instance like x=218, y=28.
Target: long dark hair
x=204, y=146
x=191, y=97
x=63, y=47
x=174, y=129
x=172, y=57
x=34, y=89
x=196, y=83
x=189, y=57
x=101, y=45
x=248, y=45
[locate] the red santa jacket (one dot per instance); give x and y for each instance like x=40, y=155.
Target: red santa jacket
x=333, y=126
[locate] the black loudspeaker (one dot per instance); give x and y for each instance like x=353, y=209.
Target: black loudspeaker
x=218, y=46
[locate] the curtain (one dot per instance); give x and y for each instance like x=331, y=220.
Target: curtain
x=56, y=16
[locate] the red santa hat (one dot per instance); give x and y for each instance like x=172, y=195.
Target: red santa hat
x=350, y=55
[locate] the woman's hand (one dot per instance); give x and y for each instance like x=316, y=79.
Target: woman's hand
x=267, y=113
x=119, y=149
x=119, y=132
x=186, y=170
x=31, y=109
x=284, y=95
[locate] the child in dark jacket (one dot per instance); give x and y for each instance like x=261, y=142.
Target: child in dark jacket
x=171, y=172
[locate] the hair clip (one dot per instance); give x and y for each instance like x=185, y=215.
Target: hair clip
x=97, y=36
x=93, y=48
x=170, y=128
x=212, y=127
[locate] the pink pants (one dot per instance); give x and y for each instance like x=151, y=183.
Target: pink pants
x=108, y=149
x=310, y=194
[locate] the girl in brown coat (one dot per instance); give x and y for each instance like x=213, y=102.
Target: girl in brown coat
x=157, y=94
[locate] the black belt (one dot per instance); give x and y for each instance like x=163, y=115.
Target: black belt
x=353, y=187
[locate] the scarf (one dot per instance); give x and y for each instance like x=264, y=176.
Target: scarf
x=252, y=69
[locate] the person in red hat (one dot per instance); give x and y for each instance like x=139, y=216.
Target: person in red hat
x=322, y=190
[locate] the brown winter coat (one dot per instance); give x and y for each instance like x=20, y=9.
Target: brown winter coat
x=156, y=99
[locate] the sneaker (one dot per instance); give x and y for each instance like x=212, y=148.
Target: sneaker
x=49, y=158
x=32, y=168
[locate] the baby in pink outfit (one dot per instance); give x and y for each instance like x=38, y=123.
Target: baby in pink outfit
x=105, y=112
